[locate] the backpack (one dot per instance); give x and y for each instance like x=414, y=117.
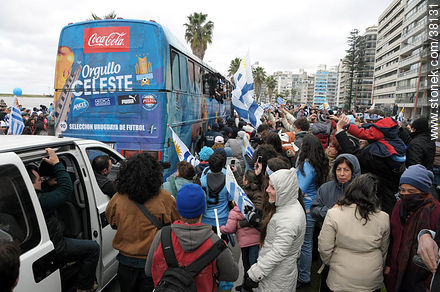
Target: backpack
x=181, y=278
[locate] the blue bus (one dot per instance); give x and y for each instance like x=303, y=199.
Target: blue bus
x=123, y=82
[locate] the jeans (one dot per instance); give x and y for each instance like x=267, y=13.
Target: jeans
x=305, y=260
x=134, y=279
x=87, y=252
x=249, y=256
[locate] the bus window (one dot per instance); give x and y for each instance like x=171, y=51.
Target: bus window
x=191, y=76
x=175, y=71
x=184, y=72
x=198, y=79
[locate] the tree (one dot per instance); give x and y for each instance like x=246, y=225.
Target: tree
x=259, y=76
x=353, y=61
x=271, y=83
x=198, y=34
x=293, y=92
x=111, y=15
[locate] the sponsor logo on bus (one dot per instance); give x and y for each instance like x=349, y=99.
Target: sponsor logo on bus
x=144, y=71
x=80, y=105
x=128, y=99
x=104, y=101
x=149, y=102
x=107, y=39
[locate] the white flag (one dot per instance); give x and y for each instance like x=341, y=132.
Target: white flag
x=182, y=151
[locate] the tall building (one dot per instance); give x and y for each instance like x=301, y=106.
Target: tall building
x=364, y=79
x=342, y=84
x=412, y=79
x=400, y=69
x=325, y=85
x=389, y=34
x=284, y=81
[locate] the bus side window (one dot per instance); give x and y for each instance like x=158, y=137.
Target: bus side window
x=198, y=80
x=18, y=220
x=191, y=76
x=175, y=70
x=184, y=86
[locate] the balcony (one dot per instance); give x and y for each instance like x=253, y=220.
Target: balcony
x=420, y=11
x=386, y=79
x=412, y=31
x=387, y=69
x=418, y=41
x=388, y=90
x=410, y=60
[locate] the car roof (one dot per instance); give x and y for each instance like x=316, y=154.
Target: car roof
x=10, y=143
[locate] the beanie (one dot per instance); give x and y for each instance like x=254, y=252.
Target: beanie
x=420, y=125
x=191, y=201
x=205, y=153
x=418, y=176
x=221, y=151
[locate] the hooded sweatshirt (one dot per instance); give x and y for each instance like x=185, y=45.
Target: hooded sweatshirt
x=190, y=241
x=276, y=269
x=331, y=191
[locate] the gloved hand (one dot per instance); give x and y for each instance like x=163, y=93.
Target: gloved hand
x=255, y=218
x=248, y=283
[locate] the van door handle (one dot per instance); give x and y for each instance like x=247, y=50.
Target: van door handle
x=45, y=266
x=104, y=221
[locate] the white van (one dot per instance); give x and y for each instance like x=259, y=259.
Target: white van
x=21, y=216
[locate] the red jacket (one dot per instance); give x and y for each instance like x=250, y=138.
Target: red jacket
x=190, y=241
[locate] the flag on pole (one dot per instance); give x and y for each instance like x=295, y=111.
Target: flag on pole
x=242, y=95
x=400, y=117
x=372, y=106
x=240, y=198
x=324, y=106
x=182, y=151
x=281, y=100
x=16, y=124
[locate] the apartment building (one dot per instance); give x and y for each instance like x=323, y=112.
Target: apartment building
x=325, y=85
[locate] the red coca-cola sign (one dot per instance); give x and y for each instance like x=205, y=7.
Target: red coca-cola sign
x=107, y=39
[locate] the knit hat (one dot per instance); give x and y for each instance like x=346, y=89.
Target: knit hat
x=419, y=177
x=420, y=125
x=219, y=139
x=205, y=153
x=191, y=201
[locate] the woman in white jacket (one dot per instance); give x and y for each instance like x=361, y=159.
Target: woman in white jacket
x=275, y=269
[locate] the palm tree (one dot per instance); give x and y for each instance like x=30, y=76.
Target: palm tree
x=198, y=34
x=111, y=15
x=271, y=83
x=233, y=67
x=259, y=77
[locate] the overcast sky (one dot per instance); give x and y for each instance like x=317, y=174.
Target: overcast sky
x=280, y=35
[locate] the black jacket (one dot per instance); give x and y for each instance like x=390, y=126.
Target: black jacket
x=387, y=170
x=421, y=150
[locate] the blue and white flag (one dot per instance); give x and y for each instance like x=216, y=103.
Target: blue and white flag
x=246, y=148
x=182, y=151
x=240, y=198
x=372, y=106
x=324, y=106
x=265, y=106
x=242, y=95
x=400, y=117
x=16, y=124
x=281, y=100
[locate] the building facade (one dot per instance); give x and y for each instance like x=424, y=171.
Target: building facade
x=325, y=87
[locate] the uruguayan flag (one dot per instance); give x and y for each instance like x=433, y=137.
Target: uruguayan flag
x=246, y=148
x=372, y=106
x=324, y=106
x=16, y=124
x=400, y=117
x=242, y=95
x=281, y=100
x=265, y=106
x=240, y=197
x=182, y=151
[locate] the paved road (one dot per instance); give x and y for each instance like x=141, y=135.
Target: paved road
x=236, y=252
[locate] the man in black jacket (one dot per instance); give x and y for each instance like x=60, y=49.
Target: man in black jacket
x=68, y=249
x=421, y=149
x=102, y=166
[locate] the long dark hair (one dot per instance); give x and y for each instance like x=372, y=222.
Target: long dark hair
x=363, y=192
x=312, y=151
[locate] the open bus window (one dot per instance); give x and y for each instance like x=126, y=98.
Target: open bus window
x=191, y=76
x=198, y=80
x=175, y=70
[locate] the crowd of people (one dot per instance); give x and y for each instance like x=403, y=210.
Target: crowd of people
x=37, y=121
x=361, y=191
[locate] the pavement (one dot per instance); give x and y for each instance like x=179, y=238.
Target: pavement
x=236, y=253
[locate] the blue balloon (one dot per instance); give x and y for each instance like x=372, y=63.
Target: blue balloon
x=17, y=91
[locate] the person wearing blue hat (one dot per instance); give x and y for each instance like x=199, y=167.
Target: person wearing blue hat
x=204, y=155
x=416, y=210
x=190, y=239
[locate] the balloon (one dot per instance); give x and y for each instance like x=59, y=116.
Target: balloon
x=17, y=91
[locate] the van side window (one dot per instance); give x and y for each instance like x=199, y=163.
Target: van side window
x=18, y=220
x=98, y=157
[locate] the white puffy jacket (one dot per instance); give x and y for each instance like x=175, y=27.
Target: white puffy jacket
x=275, y=269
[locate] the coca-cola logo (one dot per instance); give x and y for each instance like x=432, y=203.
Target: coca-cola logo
x=107, y=39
